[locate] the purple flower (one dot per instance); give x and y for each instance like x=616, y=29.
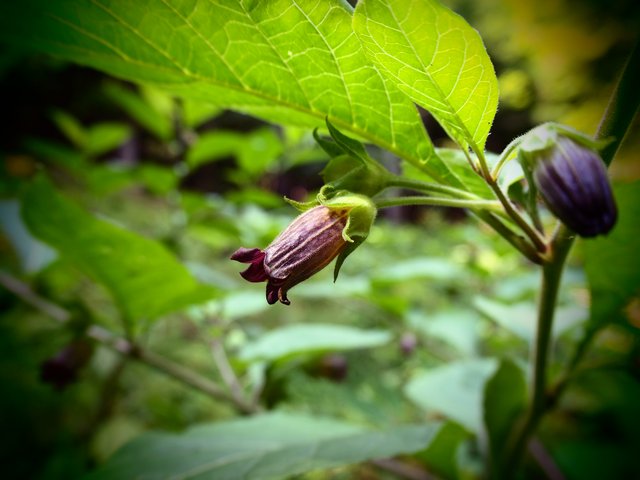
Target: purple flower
x=304, y=248
x=573, y=182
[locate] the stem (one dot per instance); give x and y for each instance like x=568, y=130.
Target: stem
x=551, y=276
x=124, y=346
x=623, y=106
x=440, y=202
x=427, y=187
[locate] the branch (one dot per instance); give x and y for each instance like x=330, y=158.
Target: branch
x=125, y=347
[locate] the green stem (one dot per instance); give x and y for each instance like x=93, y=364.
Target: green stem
x=551, y=276
x=617, y=119
x=427, y=187
x=623, y=106
x=439, y=202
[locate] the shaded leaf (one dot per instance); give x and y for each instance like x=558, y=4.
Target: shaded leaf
x=505, y=398
x=437, y=59
x=440, y=454
x=610, y=262
x=144, y=278
x=455, y=390
x=269, y=446
x=310, y=338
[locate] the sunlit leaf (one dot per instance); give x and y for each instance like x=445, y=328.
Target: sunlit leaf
x=268, y=446
x=455, y=390
x=144, y=278
x=310, y=338
x=287, y=62
x=437, y=59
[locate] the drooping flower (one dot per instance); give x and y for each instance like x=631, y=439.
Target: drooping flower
x=565, y=168
x=308, y=244
x=573, y=182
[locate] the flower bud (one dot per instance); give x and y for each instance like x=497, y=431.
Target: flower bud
x=62, y=369
x=308, y=245
x=573, y=182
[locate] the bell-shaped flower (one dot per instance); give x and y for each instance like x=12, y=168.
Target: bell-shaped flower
x=317, y=236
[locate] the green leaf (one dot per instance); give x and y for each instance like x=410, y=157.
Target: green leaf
x=291, y=63
x=140, y=110
x=71, y=128
x=311, y=338
x=268, y=446
x=520, y=318
x=505, y=398
x=144, y=278
x=440, y=454
x=610, y=262
x=454, y=390
x=103, y=137
x=437, y=59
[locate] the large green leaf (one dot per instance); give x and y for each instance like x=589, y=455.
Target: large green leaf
x=287, y=62
x=437, y=59
x=274, y=445
x=455, y=390
x=295, y=339
x=144, y=278
x=505, y=398
x=611, y=262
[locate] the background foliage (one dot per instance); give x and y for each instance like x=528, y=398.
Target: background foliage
x=122, y=202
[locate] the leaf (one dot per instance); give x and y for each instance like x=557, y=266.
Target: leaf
x=437, y=59
x=520, y=318
x=268, y=446
x=286, y=62
x=440, y=454
x=454, y=390
x=440, y=269
x=505, y=397
x=144, y=278
x=457, y=327
x=104, y=137
x=140, y=110
x=308, y=338
x=610, y=262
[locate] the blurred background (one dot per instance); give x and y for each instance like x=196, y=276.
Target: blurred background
x=204, y=182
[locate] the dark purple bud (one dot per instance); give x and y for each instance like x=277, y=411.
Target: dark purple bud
x=304, y=248
x=408, y=343
x=62, y=369
x=573, y=182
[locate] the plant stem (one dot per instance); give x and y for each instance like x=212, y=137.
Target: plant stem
x=124, y=346
x=551, y=276
x=427, y=187
x=440, y=202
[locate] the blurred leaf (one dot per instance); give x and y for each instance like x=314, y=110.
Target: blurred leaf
x=103, y=137
x=434, y=268
x=56, y=153
x=71, y=128
x=520, y=318
x=137, y=108
x=287, y=63
x=457, y=327
x=159, y=180
x=455, y=390
x=436, y=58
x=311, y=338
x=195, y=113
x=440, y=454
x=34, y=255
x=144, y=278
x=505, y=398
x=268, y=446
x=241, y=304
x=610, y=262
x=212, y=146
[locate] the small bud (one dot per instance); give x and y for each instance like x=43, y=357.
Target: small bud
x=62, y=369
x=573, y=182
x=308, y=245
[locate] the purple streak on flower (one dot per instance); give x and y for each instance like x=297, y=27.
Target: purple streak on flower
x=573, y=182
x=304, y=248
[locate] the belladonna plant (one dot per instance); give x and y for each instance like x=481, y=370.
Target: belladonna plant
x=566, y=170
x=326, y=231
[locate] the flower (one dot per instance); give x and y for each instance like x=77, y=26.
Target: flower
x=304, y=248
x=572, y=180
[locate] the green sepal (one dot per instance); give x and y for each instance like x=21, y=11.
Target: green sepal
x=301, y=206
x=331, y=148
x=362, y=214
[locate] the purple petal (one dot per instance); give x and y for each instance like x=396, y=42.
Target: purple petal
x=255, y=272
x=247, y=255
